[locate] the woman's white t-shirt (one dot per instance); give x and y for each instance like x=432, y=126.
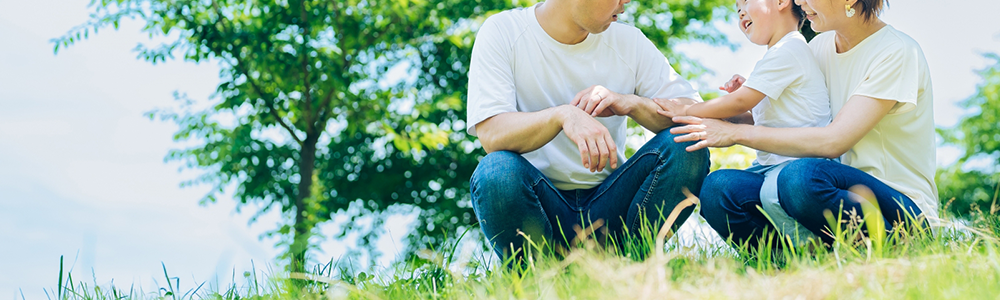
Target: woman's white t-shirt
x=517, y=67
x=900, y=151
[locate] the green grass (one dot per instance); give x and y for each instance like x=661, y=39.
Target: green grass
x=957, y=261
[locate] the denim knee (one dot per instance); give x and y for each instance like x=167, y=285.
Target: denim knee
x=691, y=165
x=801, y=186
x=500, y=176
x=714, y=199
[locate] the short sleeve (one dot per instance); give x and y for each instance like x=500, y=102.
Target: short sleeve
x=894, y=76
x=655, y=78
x=774, y=73
x=491, y=76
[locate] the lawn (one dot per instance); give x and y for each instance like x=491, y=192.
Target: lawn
x=957, y=260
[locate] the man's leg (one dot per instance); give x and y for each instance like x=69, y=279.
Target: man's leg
x=729, y=201
x=649, y=185
x=809, y=186
x=509, y=196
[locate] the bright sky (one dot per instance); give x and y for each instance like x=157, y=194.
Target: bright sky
x=82, y=171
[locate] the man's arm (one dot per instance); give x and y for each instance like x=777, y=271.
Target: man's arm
x=523, y=132
x=599, y=101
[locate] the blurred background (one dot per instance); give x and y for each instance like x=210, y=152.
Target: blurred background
x=84, y=131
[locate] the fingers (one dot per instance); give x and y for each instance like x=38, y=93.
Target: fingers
x=579, y=96
x=690, y=137
x=595, y=155
x=687, y=120
x=594, y=100
x=697, y=146
x=687, y=129
x=665, y=113
x=600, y=108
x=612, y=151
x=602, y=145
x=584, y=153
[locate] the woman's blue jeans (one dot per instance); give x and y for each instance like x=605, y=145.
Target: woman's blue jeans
x=509, y=196
x=806, y=188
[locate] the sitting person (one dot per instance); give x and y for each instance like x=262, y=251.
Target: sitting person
x=785, y=89
x=550, y=91
x=883, y=131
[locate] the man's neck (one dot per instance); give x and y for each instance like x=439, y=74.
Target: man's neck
x=558, y=23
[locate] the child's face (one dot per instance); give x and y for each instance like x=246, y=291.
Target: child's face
x=757, y=19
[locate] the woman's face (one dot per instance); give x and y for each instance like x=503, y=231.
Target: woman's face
x=824, y=15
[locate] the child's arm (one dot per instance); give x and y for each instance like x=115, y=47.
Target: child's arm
x=731, y=105
x=739, y=101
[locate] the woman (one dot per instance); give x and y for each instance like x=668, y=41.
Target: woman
x=883, y=131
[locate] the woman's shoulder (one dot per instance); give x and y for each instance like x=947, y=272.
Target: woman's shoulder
x=892, y=37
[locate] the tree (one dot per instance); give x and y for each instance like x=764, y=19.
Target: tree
x=961, y=187
x=309, y=119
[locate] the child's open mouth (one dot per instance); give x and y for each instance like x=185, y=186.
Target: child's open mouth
x=746, y=25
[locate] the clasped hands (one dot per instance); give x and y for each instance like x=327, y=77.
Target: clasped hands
x=597, y=149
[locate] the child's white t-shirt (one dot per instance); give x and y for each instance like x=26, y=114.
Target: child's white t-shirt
x=795, y=88
x=901, y=149
x=517, y=67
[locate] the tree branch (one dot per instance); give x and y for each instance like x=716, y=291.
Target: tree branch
x=240, y=66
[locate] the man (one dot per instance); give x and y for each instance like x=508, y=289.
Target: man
x=550, y=87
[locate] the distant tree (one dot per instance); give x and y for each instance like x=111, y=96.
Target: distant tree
x=308, y=118
x=965, y=187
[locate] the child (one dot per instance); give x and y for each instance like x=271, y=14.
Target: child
x=785, y=89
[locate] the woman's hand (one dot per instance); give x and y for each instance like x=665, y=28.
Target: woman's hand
x=706, y=132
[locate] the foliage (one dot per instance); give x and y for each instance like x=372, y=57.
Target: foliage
x=351, y=107
x=963, y=189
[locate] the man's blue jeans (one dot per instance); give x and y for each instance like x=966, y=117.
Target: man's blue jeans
x=806, y=188
x=509, y=195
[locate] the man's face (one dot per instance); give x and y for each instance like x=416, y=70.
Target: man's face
x=595, y=16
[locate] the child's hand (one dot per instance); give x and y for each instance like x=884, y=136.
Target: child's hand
x=671, y=108
x=734, y=84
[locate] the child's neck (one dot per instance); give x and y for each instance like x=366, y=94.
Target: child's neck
x=782, y=29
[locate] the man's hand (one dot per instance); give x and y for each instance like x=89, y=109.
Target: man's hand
x=671, y=108
x=734, y=84
x=597, y=148
x=598, y=101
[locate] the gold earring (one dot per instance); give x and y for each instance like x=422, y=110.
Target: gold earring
x=850, y=10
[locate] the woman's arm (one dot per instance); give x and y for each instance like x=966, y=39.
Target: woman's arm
x=858, y=117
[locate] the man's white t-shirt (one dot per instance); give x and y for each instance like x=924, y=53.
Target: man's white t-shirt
x=517, y=67
x=900, y=151
x=796, y=91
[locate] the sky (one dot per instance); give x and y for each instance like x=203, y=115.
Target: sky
x=82, y=173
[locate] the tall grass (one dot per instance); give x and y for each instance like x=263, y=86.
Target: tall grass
x=958, y=260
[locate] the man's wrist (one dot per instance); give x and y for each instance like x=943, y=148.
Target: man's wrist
x=562, y=113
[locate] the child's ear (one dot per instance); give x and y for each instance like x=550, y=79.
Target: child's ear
x=783, y=4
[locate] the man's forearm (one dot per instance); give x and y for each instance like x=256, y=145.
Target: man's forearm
x=521, y=132
x=644, y=113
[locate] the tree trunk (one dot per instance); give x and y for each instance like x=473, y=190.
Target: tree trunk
x=300, y=236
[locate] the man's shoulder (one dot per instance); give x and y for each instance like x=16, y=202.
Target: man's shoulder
x=511, y=20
